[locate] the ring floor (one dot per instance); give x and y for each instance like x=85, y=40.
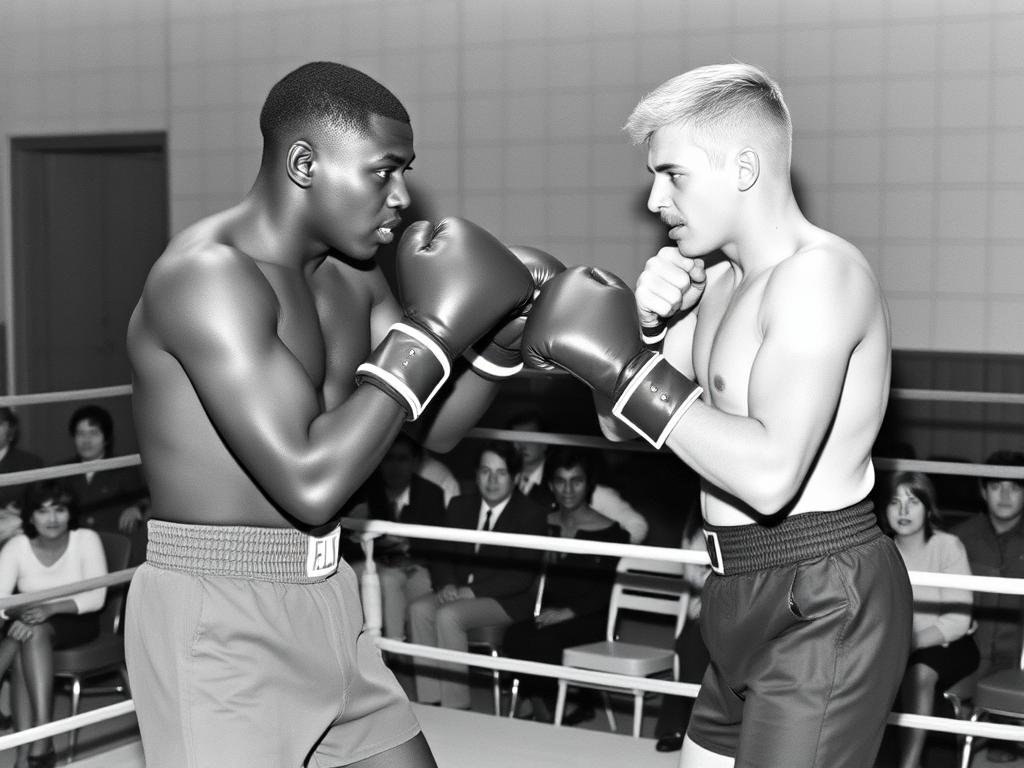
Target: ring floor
x=459, y=738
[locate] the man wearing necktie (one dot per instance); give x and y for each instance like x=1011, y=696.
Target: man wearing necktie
x=477, y=585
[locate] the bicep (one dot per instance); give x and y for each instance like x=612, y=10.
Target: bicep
x=222, y=329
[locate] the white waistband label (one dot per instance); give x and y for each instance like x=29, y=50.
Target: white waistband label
x=322, y=554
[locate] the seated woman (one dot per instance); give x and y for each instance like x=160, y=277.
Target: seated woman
x=943, y=651
x=51, y=552
x=578, y=587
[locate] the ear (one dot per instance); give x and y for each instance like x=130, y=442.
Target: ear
x=749, y=166
x=300, y=163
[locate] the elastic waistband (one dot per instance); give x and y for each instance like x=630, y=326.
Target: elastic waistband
x=798, y=538
x=241, y=551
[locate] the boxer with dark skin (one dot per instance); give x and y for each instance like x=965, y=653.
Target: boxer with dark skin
x=768, y=373
x=254, y=425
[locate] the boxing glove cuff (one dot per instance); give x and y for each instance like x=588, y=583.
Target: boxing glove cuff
x=409, y=365
x=495, y=362
x=654, y=400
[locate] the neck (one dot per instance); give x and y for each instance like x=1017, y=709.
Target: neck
x=911, y=543
x=773, y=231
x=1002, y=526
x=269, y=226
x=56, y=543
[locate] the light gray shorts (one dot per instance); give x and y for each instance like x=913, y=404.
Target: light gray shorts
x=237, y=657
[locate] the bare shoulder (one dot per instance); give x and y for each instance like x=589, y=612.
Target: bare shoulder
x=825, y=270
x=199, y=282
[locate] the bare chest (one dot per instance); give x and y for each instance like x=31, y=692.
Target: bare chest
x=298, y=322
x=727, y=338
x=343, y=309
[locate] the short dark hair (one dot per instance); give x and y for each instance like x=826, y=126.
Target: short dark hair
x=8, y=415
x=1004, y=458
x=55, y=491
x=324, y=94
x=567, y=457
x=507, y=452
x=98, y=416
x=403, y=438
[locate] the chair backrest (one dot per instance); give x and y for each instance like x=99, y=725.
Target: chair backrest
x=117, y=548
x=649, y=586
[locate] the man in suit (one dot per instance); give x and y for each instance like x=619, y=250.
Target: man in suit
x=477, y=585
x=396, y=492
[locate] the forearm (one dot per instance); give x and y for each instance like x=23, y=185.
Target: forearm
x=343, y=447
x=738, y=455
x=463, y=402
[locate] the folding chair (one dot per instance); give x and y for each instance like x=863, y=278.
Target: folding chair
x=647, y=586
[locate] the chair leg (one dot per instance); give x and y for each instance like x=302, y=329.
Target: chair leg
x=965, y=757
x=563, y=686
x=612, y=726
x=76, y=697
x=638, y=712
x=513, y=701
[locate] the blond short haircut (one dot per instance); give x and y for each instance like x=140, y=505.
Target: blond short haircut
x=719, y=102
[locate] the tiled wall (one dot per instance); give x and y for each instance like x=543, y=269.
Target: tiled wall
x=909, y=117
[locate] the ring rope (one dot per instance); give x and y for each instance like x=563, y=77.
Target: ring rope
x=67, y=470
x=895, y=393
x=1000, y=584
x=65, y=724
x=670, y=687
x=94, y=393
x=66, y=590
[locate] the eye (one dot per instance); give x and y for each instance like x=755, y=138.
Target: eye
x=384, y=173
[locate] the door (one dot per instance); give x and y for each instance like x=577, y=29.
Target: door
x=89, y=218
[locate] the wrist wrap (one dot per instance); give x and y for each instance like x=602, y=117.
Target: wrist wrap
x=654, y=399
x=653, y=334
x=495, y=362
x=409, y=365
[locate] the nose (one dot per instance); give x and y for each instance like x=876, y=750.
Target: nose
x=657, y=199
x=399, y=197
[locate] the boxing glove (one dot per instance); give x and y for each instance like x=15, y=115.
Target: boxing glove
x=456, y=281
x=498, y=354
x=585, y=322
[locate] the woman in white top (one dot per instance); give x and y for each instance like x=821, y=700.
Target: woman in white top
x=51, y=552
x=943, y=651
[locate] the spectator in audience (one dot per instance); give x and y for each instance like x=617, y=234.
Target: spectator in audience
x=943, y=651
x=606, y=500
x=693, y=654
x=12, y=459
x=995, y=547
x=396, y=492
x=578, y=587
x=477, y=585
x=51, y=552
x=113, y=500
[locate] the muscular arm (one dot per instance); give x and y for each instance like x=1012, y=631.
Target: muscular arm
x=816, y=309
x=216, y=313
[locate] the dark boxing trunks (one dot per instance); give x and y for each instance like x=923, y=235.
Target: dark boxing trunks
x=245, y=648
x=809, y=625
